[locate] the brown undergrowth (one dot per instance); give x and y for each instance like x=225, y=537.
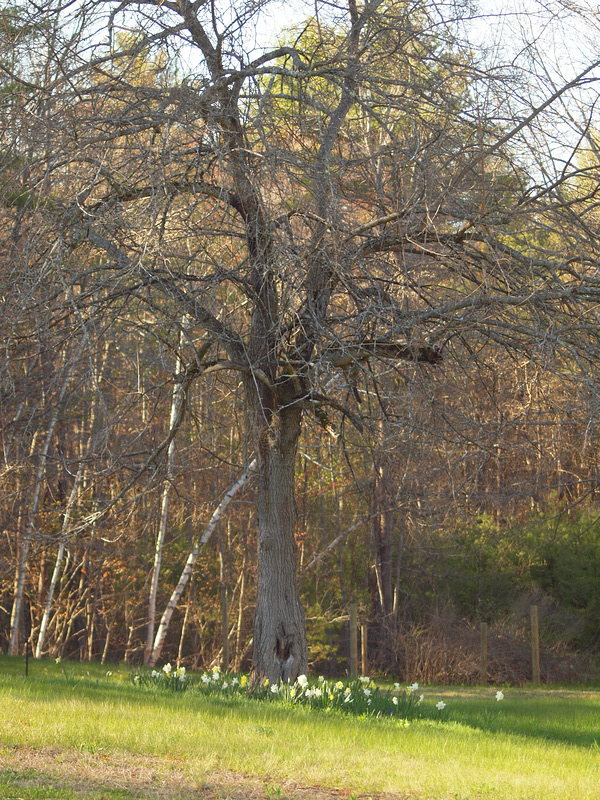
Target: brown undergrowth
x=149, y=778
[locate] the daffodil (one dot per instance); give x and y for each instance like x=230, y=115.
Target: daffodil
x=366, y=692
x=339, y=685
x=499, y=695
x=244, y=681
x=274, y=689
x=395, y=701
x=302, y=681
x=414, y=687
x=167, y=669
x=441, y=705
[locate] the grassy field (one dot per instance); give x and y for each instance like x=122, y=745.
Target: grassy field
x=84, y=731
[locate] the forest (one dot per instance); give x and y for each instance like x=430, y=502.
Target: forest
x=299, y=308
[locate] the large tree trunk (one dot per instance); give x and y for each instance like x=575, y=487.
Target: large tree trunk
x=280, y=648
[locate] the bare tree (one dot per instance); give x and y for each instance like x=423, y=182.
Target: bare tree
x=364, y=193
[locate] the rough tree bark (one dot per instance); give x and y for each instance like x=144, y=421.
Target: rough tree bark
x=280, y=648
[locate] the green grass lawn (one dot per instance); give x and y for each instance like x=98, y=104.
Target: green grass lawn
x=84, y=731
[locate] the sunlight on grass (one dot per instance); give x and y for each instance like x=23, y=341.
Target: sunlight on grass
x=531, y=745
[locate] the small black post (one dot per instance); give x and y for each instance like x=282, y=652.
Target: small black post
x=27, y=658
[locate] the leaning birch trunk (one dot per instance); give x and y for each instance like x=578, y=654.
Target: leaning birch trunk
x=163, y=627
x=176, y=404
x=13, y=645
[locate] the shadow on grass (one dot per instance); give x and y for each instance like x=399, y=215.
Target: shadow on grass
x=563, y=720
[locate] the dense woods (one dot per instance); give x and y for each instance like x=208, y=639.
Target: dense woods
x=291, y=326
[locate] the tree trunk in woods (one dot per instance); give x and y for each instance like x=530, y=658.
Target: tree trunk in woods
x=163, y=627
x=280, y=647
x=21, y=570
x=382, y=515
x=177, y=404
x=58, y=562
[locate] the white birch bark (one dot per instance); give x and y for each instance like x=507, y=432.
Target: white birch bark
x=67, y=515
x=13, y=645
x=163, y=627
x=58, y=562
x=178, y=399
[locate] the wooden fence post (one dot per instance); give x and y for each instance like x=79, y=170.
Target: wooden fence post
x=535, y=645
x=484, y=654
x=353, y=642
